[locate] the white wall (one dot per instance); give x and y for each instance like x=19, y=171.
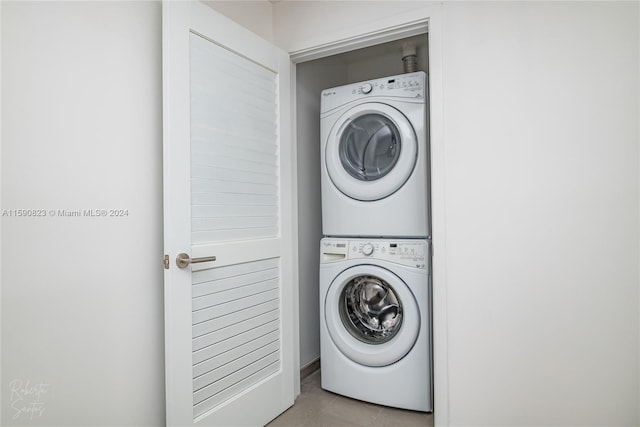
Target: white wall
x=383, y=59
x=256, y=15
x=301, y=24
x=541, y=134
x=541, y=191
x=384, y=65
x=82, y=304
x=311, y=78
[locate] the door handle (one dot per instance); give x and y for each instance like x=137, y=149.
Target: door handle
x=183, y=260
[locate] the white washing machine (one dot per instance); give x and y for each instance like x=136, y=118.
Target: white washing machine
x=375, y=321
x=375, y=158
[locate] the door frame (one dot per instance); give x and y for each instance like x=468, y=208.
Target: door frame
x=423, y=20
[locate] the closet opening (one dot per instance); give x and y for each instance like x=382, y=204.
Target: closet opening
x=312, y=76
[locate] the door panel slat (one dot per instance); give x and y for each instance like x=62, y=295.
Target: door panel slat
x=201, y=356
x=230, y=139
x=234, y=270
x=261, y=372
x=213, y=211
x=240, y=291
x=234, y=234
x=234, y=307
x=248, y=164
x=234, y=152
x=229, y=362
x=217, y=335
x=236, y=121
x=239, y=199
x=221, y=223
x=257, y=100
x=234, y=374
x=219, y=191
x=208, y=326
x=230, y=174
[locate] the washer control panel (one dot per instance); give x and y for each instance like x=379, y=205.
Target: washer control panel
x=366, y=88
x=412, y=253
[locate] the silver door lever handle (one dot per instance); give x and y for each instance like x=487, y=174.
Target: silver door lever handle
x=183, y=260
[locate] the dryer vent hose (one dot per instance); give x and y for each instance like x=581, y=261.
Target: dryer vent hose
x=409, y=58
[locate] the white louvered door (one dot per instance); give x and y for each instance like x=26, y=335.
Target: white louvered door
x=229, y=334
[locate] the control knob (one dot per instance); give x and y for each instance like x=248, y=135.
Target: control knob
x=367, y=249
x=366, y=88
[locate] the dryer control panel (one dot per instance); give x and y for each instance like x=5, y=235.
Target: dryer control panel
x=410, y=87
x=412, y=253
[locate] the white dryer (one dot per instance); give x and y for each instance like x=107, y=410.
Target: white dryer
x=375, y=158
x=375, y=321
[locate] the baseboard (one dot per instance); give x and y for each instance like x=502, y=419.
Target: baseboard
x=309, y=368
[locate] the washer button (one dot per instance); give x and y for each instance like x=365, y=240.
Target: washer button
x=367, y=249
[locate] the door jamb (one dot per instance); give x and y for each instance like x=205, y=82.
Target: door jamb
x=372, y=38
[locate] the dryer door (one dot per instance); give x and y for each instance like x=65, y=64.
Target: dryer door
x=371, y=315
x=371, y=151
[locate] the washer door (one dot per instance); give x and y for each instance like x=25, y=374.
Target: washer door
x=371, y=151
x=371, y=315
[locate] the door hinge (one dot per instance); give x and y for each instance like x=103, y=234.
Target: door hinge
x=166, y=262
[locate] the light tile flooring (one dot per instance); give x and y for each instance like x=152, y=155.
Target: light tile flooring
x=319, y=408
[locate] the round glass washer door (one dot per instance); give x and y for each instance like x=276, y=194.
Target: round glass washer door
x=371, y=151
x=371, y=315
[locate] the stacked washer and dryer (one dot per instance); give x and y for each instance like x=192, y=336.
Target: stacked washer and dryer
x=375, y=295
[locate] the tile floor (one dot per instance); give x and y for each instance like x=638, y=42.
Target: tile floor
x=319, y=408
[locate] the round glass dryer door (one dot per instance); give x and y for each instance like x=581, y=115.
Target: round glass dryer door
x=370, y=146
x=371, y=315
x=371, y=151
